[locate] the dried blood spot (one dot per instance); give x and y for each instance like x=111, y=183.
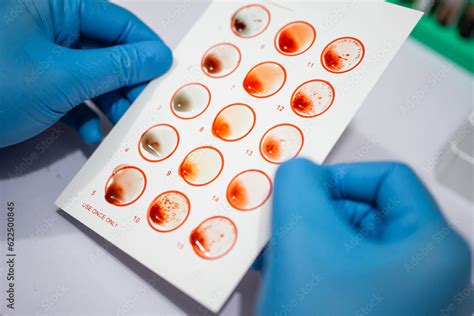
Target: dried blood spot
x=333, y=60
x=125, y=185
x=115, y=194
x=239, y=26
x=253, y=85
x=190, y=101
x=214, y=237
x=233, y=122
x=250, y=20
x=201, y=166
x=265, y=79
x=158, y=214
x=188, y=170
x=281, y=142
x=168, y=211
x=302, y=103
x=212, y=64
x=272, y=148
x=182, y=103
x=287, y=42
x=237, y=194
x=220, y=60
x=342, y=54
x=221, y=128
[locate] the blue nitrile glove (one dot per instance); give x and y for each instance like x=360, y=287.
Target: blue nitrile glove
x=359, y=239
x=55, y=54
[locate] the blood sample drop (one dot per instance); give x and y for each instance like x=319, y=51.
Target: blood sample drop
x=201, y=166
x=233, y=122
x=125, y=185
x=265, y=79
x=312, y=98
x=190, y=101
x=250, y=21
x=214, y=237
x=158, y=142
x=220, y=60
x=281, y=142
x=168, y=211
x=295, y=38
x=249, y=190
x=342, y=55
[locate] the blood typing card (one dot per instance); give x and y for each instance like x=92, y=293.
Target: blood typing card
x=183, y=183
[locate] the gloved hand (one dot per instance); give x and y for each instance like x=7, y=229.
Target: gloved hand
x=53, y=57
x=359, y=239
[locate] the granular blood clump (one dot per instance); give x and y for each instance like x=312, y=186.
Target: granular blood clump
x=333, y=60
x=239, y=26
x=302, y=103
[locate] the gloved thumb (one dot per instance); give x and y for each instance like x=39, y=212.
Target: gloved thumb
x=304, y=213
x=98, y=71
x=307, y=233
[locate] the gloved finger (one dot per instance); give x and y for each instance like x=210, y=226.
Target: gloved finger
x=109, y=23
x=98, y=71
x=303, y=206
x=362, y=216
x=113, y=105
x=393, y=188
x=133, y=92
x=85, y=122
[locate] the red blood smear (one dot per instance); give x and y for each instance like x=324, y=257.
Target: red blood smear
x=239, y=26
x=199, y=241
x=287, y=42
x=332, y=60
x=302, y=103
x=272, y=148
x=212, y=64
x=220, y=128
x=253, y=85
x=114, y=194
x=188, y=170
x=237, y=195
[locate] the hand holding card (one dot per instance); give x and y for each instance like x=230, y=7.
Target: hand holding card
x=188, y=171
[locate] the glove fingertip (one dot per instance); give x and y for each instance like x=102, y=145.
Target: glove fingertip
x=160, y=56
x=90, y=132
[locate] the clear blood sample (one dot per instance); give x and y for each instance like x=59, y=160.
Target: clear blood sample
x=312, y=98
x=265, y=79
x=281, y=142
x=201, y=166
x=220, y=60
x=342, y=55
x=295, y=38
x=250, y=21
x=233, y=122
x=214, y=237
x=168, y=211
x=158, y=142
x=249, y=190
x=125, y=185
x=190, y=101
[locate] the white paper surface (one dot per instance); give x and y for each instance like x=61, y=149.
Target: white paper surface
x=380, y=27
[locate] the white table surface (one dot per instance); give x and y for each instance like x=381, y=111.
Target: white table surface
x=63, y=268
